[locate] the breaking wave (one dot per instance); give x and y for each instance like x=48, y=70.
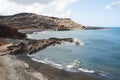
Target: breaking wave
x=72, y=67
x=86, y=70
x=77, y=40
x=28, y=36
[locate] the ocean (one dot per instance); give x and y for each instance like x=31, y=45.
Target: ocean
x=98, y=54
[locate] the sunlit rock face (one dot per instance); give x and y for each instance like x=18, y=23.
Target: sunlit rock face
x=34, y=21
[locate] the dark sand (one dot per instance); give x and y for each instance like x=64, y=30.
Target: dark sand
x=54, y=73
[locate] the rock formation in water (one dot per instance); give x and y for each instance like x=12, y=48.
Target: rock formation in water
x=31, y=46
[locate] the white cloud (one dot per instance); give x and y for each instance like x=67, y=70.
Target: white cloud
x=9, y=8
x=115, y=4
x=26, y=2
x=48, y=7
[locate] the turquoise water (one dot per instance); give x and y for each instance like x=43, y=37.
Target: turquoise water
x=99, y=54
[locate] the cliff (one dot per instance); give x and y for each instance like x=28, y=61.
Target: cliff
x=10, y=32
x=34, y=21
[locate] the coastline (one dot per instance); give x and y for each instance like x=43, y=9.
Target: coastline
x=21, y=66
x=53, y=73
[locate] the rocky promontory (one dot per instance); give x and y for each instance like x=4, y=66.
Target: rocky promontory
x=31, y=46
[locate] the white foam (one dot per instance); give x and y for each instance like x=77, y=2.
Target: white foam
x=86, y=70
x=34, y=59
x=77, y=40
x=73, y=67
x=46, y=61
x=28, y=36
x=81, y=43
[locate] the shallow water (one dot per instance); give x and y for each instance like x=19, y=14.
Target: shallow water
x=99, y=53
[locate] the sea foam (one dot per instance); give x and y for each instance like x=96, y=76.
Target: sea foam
x=77, y=40
x=86, y=70
x=72, y=67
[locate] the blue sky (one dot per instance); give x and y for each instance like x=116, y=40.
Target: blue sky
x=95, y=13
x=86, y=12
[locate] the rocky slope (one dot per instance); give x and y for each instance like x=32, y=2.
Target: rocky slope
x=32, y=21
x=11, y=68
x=10, y=32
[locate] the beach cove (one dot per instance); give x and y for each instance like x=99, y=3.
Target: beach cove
x=17, y=65
x=97, y=55
x=36, y=47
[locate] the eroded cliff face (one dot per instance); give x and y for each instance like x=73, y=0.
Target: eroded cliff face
x=30, y=20
x=10, y=32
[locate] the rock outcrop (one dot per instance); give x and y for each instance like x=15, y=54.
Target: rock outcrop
x=33, y=46
x=36, y=45
x=33, y=21
x=10, y=32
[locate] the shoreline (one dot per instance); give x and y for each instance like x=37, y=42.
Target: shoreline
x=54, y=73
x=23, y=66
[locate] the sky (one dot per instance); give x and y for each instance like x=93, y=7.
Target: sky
x=104, y=13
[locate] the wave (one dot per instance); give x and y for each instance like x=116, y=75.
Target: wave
x=46, y=61
x=86, y=70
x=77, y=40
x=73, y=67
x=28, y=36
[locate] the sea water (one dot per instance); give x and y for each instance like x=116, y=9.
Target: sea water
x=98, y=55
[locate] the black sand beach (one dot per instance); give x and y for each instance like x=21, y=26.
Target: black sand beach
x=54, y=73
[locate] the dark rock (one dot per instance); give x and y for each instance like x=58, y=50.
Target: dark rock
x=10, y=32
x=36, y=45
x=17, y=48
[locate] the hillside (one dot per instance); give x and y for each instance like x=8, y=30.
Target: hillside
x=34, y=21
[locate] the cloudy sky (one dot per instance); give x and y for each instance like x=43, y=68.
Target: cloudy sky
x=86, y=12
